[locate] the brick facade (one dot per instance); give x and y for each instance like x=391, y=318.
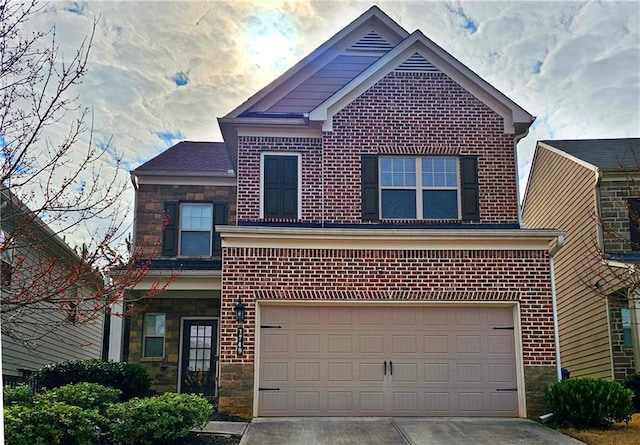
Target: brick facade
x=404, y=113
x=389, y=275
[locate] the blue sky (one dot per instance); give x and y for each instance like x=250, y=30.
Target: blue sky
x=164, y=71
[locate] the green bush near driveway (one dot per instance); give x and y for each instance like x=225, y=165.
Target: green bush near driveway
x=588, y=402
x=88, y=413
x=157, y=420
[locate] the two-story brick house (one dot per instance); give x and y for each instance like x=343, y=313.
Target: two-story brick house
x=590, y=188
x=375, y=241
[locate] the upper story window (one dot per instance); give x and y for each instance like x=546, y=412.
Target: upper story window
x=421, y=188
x=196, y=228
x=191, y=228
x=280, y=179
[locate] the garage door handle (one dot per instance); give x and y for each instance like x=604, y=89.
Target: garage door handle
x=507, y=389
x=391, y=367
x=262, y=388
x=385, y=367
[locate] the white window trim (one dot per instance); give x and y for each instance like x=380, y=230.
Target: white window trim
x=280, y=153
x=145, y=336
x=182, y=204
x=419, y=187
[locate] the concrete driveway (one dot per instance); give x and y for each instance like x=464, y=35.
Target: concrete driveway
x=399, y=431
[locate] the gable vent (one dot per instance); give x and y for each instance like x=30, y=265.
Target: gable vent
x=417, y=64
x=372, y=42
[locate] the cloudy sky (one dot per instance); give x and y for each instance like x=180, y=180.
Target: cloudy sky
x=161, y=72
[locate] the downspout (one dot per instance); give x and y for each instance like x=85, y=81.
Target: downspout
x=554, y=302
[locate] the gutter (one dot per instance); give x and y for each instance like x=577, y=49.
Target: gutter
x=554, y=300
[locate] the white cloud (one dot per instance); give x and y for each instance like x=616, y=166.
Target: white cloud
x=574, y=65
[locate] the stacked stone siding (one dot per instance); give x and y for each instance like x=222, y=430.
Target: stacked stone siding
x=623, y=358
x=150, y=211
x=614, y=212
x=164, y=370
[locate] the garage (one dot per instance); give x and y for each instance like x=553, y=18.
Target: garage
x=387, y=360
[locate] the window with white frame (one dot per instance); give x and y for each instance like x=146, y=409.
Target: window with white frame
x=196, y=227
x=419, y=187
x=154, y=331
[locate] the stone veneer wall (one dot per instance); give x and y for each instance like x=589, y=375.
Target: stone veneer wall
x=164, y=371
x=614, y=212
x=369, y=275
x=623, y=359
x=150, y=209
x=536, y=379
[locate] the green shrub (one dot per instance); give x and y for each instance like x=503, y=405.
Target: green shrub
x=20, y=395
x=84, y=395
x=589, y=402
x=632, y=382
x=157, y=420
x=50, y=423
x=131, y=379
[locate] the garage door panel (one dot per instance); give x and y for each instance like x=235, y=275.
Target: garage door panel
x=307, y=343
x=333, y=363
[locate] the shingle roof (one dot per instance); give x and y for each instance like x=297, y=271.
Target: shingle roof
x=188, y=156
x=603, y=153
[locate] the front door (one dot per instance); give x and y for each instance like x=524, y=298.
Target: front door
x=199, y=362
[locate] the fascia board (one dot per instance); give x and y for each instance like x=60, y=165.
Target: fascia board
x=178, y=179
x=418, y=42
x=318, y=59
x=404, y=239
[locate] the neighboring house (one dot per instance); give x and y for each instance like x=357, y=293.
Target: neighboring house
x=33, y=262
x=586, y=188
x=371, y=235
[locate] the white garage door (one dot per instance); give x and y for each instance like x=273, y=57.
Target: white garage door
x=380, y=361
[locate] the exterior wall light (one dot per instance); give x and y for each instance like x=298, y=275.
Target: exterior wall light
x=239, y=311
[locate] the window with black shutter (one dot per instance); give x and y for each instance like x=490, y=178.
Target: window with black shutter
x=190, y=228
x=419, y=188
x=280, y=186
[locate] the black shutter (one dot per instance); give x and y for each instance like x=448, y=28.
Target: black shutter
x=170, y=233
x=469, y=188
x=219, y=218
x=369, y=178
x=280, y=187
x=634, y=223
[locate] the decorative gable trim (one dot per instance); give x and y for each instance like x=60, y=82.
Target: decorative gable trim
x=516, y=119
x=417, y=64
x=372, y=41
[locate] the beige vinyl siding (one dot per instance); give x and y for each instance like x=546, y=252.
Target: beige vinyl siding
x=561, y=195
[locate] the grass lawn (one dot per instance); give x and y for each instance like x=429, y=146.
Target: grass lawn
x=618, y=434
